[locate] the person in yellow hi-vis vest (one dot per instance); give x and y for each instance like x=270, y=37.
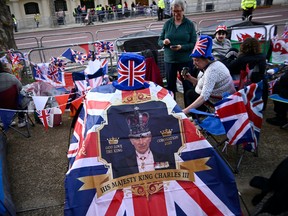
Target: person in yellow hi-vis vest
x=160, y=11
x=37, y=19
x=248, y=6
x=15, y=24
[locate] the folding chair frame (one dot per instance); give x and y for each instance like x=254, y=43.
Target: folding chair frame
x=28, y=122
x=215, y=143
x=9, y=101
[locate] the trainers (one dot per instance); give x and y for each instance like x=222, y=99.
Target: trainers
x=13, y=123
x=21, y=124
x=276, y=121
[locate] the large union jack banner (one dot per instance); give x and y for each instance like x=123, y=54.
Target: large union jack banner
x=241, y=115
x=193, y=179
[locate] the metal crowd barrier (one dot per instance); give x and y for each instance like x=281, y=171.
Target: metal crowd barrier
x=53, y=48
x=160, y=52
x=59, y=35
x=134, y=28
x=35, y=42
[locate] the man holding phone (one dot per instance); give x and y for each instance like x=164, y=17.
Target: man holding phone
x=178, y=37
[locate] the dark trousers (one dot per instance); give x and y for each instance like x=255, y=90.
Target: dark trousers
x=172, y=70
x=160, y=14
x=247, y=14
x=15, y=28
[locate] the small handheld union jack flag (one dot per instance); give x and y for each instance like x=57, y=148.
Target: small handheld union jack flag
x=15, y=58
x=79, y=57
x=131, y=72
x=58, y=63
x=104, y=46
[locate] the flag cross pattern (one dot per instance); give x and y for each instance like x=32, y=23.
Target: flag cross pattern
x=207, y=195
x=44, y=116
x=131, y=72
x=201, y=46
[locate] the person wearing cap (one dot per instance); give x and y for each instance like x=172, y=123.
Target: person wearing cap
x=213, y=80
x=178, y=37
x=221, y=45
x=248, y=6
x=143, y=158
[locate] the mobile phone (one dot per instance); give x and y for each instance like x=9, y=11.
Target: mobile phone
x=185, y=71
x=173, y=46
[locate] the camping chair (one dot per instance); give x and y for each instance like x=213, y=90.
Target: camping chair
x=235, y=126
x=9, y=101
x=276, y=97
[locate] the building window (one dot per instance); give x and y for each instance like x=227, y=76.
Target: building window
x=31, y=8
x=60, y=5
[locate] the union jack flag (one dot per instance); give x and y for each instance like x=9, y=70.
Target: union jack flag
x=207, y=194
x=241, y=115
x=201, y=46
x=131, y=73
x=44, y=116
x=53, y=73
x=104, y=46
x=75, y=56
x=15, y=58
x=80, y=57
x=43, y=72
x=85, y=82
x=40, y=71
x=68, y=54
x=57, y=63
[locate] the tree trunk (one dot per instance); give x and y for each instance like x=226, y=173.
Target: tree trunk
x=53, y=19
x=7, y=40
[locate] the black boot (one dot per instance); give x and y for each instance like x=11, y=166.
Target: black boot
x=277, y=121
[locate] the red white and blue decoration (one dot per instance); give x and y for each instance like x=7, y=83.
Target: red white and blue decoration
x=241, y=115
x=104, y=46
x=203, y=48
x=192, y=180
x=131, y=72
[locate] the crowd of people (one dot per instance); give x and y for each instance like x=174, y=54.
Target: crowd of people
x=113, y=11
x=214, y=64
x=211, y=70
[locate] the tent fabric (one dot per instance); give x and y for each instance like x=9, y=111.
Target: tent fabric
x=6, y=204
x=138, y=42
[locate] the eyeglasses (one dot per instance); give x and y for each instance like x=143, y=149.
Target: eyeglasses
x=221, y=33
x=177, y=11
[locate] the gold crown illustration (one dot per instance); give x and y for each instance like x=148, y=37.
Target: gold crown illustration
x=166, y=132
x=113, y=140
